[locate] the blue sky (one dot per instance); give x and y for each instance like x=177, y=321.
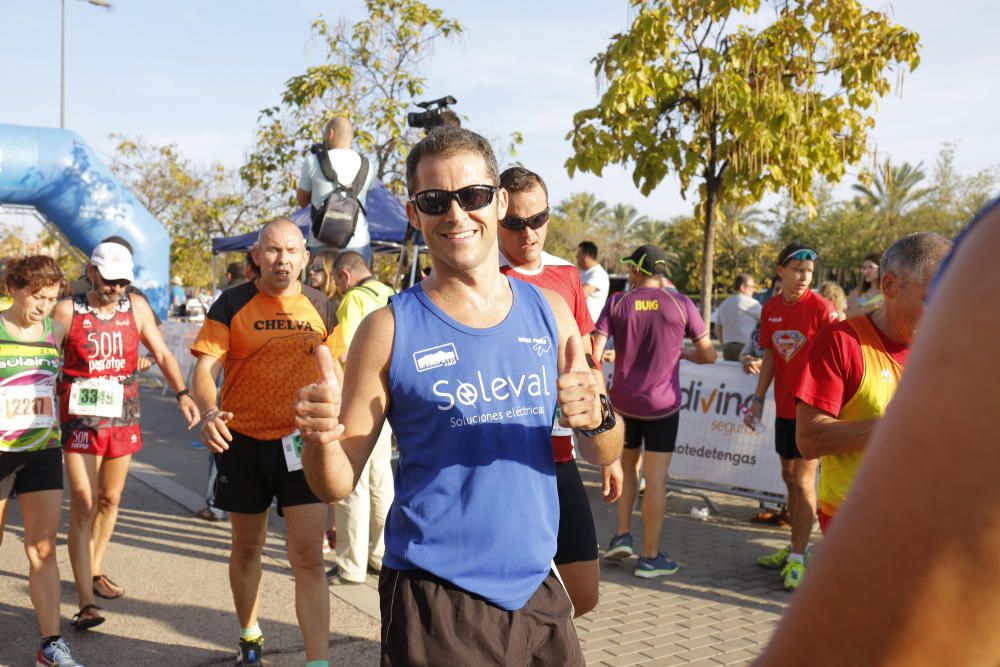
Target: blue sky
x=197, y=72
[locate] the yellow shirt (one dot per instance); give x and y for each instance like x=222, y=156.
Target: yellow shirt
x=878, y=385
x=362, y=299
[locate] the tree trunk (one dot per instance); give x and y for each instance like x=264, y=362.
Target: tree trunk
x=708, y=253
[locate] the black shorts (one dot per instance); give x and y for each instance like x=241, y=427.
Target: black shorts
x=577, y=539
x=26, y=472
x=657, y=435
x=429, y=621
x=784, y=439
x=252, y=472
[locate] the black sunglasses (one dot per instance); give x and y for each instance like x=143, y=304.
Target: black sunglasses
x=517, y=224
x=469, y=198
x=120, y=282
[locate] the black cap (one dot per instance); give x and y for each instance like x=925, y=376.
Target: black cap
x=646, y=258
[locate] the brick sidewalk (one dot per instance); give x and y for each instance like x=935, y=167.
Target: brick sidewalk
x=719, y=609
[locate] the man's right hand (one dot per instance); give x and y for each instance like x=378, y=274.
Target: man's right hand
x=214, y=432
x=317, y=409
x=755, y=409
x=751, y=364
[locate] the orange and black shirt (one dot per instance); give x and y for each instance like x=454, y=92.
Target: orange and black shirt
x=267, y=347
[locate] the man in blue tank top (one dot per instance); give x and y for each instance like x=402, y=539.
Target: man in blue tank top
x=469, y=367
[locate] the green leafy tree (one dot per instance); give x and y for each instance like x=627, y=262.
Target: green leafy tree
x=840, y=231
x=371, y=76
x=578, y=217
x=953, y=199
x=742, y=246
x=12, y=240
x=682, y=236
x=741, y=111
x=193, y=204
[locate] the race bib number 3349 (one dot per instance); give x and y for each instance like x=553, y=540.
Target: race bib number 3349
x=97, y=397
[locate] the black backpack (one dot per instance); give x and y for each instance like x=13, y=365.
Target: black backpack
x=334, y=222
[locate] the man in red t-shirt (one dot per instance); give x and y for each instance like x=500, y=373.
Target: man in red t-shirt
x=854, y=366
x=521, y=236
x=788, y=324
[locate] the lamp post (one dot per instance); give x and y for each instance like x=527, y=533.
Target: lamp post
x=62, y=56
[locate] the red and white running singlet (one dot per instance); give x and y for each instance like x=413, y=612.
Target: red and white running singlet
x=98, y=394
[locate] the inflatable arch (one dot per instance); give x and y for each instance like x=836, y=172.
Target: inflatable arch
x=60, y=176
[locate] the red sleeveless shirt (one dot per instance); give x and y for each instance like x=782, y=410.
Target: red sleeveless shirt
x=105, y=346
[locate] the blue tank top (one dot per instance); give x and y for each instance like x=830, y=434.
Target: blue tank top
x=472, y=411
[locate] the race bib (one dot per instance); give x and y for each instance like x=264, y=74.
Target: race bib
x=24, y=407
x=292, y=446
x=97, y=397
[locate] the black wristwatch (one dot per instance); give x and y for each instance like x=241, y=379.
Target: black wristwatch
x=608, y=421
x=183, y=392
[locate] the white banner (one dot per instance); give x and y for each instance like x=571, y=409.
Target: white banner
x=713, y=444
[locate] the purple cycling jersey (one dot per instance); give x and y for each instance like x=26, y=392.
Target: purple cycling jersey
x=648, y=325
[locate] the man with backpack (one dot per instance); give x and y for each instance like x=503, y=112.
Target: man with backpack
x=361, y=516
x=335, y=180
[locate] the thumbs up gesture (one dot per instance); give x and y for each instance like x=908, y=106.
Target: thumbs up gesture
x=579, y=389
x=317, y=409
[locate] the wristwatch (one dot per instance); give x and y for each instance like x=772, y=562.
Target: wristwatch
x=182, y=393
x=608, y=422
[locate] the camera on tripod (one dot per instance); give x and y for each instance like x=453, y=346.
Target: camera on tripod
x=435, y=114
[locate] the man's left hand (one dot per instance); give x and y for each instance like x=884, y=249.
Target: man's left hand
x=579, y=389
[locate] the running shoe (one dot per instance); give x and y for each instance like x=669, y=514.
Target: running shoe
x=56, y=654
x=660, y=566
x=775, y=561
x=793, y=572
x=620, y=547
x=251, y=653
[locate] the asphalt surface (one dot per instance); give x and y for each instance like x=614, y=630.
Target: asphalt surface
x=178, y=608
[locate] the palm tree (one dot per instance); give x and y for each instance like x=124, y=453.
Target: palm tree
x=655, y=232
x=584, y=208
x=893, y=191
x=621, y=227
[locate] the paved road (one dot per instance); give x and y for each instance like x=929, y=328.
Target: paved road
x=719, y=609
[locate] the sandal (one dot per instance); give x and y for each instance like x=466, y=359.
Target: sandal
x=112, y=590
x=88, y=617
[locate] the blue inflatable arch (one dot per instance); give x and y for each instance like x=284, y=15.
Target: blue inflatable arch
x=60, y=176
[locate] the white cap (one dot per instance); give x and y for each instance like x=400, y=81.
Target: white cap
x=113, y=261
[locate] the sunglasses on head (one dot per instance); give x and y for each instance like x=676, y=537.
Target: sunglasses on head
x=517, y=224
x=804, y=254
x=469, y=198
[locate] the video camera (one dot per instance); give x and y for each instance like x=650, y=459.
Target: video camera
x=435, y=114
